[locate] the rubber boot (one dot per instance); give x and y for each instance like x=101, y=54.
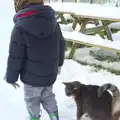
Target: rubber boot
x=35, y=118
x=54, y=116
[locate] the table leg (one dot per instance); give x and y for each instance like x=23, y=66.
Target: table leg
x=83, y=25
x=73, y=49
x=63, y=19
x=76, y=21
x=107, y=30
x=74, y=24
x=75, y=45
x=60, y=15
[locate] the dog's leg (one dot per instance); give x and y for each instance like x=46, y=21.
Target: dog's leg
x=79, y=112
x=116, y=116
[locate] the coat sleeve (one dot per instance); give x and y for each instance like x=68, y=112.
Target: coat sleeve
x=16, y=56
x=61, y=48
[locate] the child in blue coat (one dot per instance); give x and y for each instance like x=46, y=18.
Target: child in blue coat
x=36, y=54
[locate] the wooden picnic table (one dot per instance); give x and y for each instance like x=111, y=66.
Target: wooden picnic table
x=85, y=12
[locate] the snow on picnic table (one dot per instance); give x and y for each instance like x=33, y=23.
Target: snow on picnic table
x=77, y=36
x=87, y=10
x=95, y=40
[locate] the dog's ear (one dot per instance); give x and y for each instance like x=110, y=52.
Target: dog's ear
x=66, y=83
x=76, y=85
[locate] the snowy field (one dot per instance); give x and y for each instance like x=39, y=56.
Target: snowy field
x=12, y=106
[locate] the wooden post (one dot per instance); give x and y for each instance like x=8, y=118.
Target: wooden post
x=75, y=45
x=83, y=25
x=75, y=0
x=76, y=20
x=73, y=49
x=62, y=18
x=107, y=30
x=74, y=24
x=109, y=34
x=91, y=1
x=118, y=53
x=66, y=44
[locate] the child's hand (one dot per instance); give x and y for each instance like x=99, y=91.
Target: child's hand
x=15, y=85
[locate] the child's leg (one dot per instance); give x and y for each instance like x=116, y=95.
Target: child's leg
x=32, y=98
x=49, y=103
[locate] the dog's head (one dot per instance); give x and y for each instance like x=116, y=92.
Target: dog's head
x=71, y=87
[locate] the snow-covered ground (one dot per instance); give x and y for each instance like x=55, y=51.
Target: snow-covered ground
x=84, y=55
x=12, y=106
x=12, y=102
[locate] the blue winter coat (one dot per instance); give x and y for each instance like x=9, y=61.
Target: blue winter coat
x=36, y=48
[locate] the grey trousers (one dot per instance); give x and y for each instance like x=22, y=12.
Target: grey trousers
x=36, y=96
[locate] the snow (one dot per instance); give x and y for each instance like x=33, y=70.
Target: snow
x=69, y=28
x=116, y=36
x=115, y=25
x=83, y=55
x=68, y=16
x=114, y=45
x=12, y=106
x=86, y=9
x=77, y=36
x=72, y=35
x=12, y=102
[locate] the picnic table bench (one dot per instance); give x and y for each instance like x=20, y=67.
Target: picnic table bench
x=82, y=14
x=79, y=38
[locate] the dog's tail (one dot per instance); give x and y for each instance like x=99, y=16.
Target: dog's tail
x=115, y=94
x=114, y=89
